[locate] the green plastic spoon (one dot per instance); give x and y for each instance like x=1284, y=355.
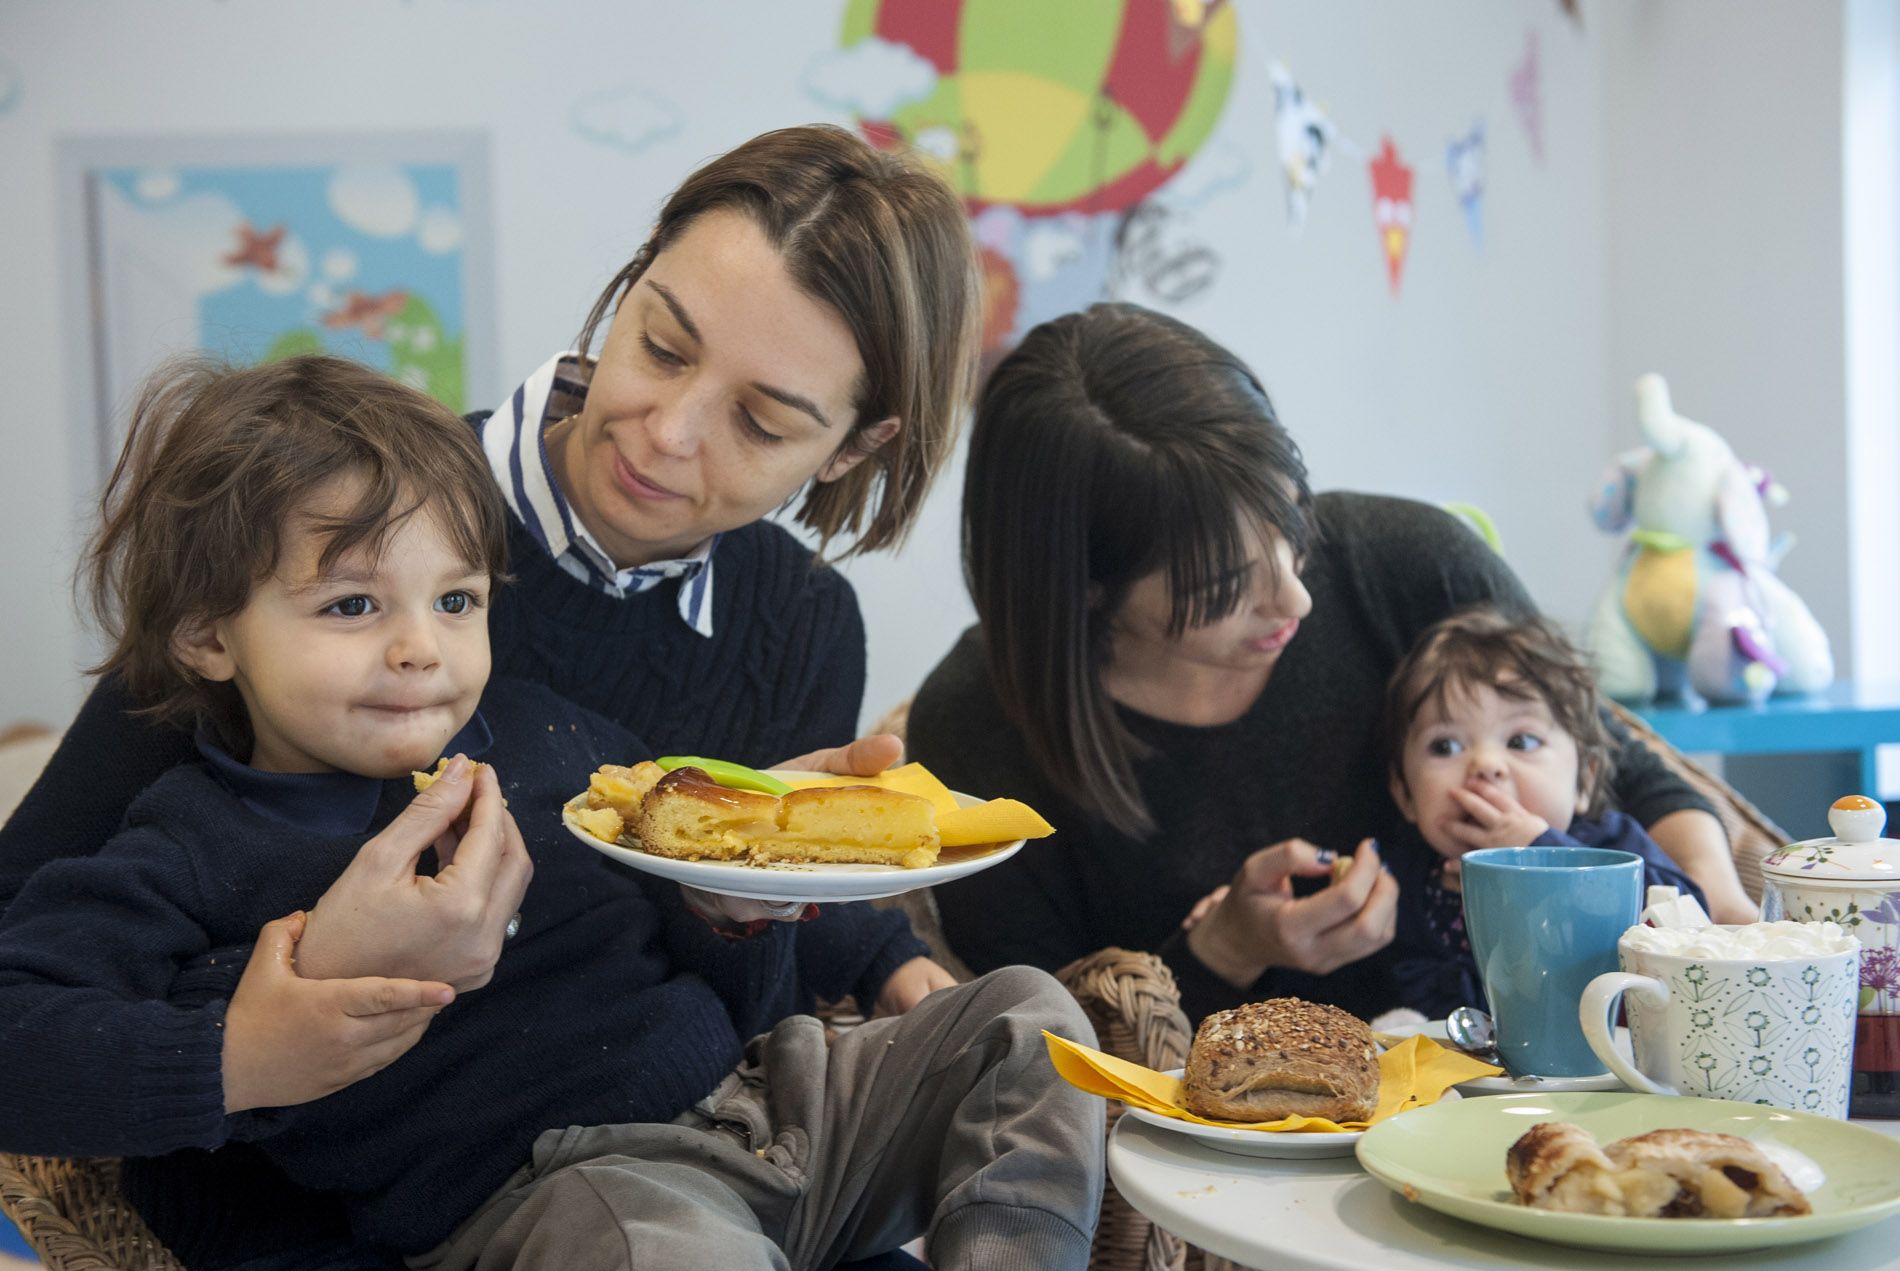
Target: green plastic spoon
x=733, y=776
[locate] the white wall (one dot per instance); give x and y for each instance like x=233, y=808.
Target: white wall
x=1724, y=180
x=1498, y=377
x=1871, y=151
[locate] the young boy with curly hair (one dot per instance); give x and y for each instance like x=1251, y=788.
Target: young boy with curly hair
x=298, y=557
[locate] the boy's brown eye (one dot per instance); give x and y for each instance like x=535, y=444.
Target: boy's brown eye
x=349, y=607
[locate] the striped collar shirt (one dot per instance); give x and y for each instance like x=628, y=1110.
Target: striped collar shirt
x=513, y=438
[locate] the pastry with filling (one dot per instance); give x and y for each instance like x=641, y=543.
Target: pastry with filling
x=1672, y=1173
x=688, y=815
x=1279, y=1058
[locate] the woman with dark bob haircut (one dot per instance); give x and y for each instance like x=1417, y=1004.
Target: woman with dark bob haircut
x=1181, y=659
x=802, y=319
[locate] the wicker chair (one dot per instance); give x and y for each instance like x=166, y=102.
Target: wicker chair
x=74, y=1214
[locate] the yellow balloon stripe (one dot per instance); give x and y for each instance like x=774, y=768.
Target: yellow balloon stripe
x=1022, y=125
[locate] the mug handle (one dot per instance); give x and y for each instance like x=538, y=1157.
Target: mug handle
x=1593, y=1014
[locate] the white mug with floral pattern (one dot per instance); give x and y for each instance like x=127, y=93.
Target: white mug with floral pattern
x=1762, y=1013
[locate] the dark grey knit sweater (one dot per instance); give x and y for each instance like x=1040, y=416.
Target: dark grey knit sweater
x=1302, y=762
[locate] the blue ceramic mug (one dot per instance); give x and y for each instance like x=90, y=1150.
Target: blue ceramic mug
x=1543, y=922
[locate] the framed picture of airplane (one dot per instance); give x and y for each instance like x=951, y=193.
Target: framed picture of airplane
x=253, y=248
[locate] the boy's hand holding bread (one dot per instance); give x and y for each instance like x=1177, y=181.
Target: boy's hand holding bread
x=381, y=914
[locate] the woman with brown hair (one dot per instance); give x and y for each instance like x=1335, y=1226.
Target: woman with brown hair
x=1181, y=658
x=803, y=316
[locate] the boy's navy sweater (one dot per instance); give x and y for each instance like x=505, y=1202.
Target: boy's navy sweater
x=782, y=675
x=1425, y=972
x=613, y=1004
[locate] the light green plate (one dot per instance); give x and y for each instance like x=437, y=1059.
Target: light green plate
x=1450, y=1157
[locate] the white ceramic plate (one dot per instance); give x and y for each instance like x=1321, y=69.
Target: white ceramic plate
x=1295, y=1144
x=1451, y=1158
x=821, y=883
x=1435, y=1030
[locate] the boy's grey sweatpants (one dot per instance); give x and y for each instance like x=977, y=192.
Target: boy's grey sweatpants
x=949, y=1119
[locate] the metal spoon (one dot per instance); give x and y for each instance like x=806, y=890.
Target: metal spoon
x=1470, y=1030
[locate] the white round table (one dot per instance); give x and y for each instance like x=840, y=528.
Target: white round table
x=1330, y=1215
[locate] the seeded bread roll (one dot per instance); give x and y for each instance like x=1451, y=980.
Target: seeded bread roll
x=1282, y=1057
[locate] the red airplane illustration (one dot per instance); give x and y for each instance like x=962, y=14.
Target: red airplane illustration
x=366, y=312
x=259, y=251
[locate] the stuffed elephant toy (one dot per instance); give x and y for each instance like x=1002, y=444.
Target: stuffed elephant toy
x=1695, y=603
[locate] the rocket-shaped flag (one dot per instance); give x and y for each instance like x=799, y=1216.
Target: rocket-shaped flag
x=1392, y=207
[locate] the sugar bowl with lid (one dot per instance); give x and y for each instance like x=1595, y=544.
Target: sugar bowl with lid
x=1853, y=878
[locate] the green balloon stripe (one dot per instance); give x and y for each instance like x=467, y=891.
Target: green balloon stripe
x=860, y=20
x=1068, y=41
x=1104, y=148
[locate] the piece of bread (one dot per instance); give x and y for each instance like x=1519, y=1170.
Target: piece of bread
x=423, y=780
x=1282, y=1057
x=1668, y=1173
x=688, y=815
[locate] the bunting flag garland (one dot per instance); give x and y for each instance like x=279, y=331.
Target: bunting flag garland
x=1528, y=97
x=1464, y=158
x=1392, y=207
x=1305, y=136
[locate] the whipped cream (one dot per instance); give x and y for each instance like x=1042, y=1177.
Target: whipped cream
x=1755, y=941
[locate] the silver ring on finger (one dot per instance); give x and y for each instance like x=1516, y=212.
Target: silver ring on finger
x=514, y=926
x=782, y=909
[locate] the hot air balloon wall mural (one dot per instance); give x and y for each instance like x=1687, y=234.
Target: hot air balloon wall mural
x=1082, y=136
x=1056, y=122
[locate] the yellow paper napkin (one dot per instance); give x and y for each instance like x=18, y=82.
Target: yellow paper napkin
x=997, y=821
x=1412, y=1074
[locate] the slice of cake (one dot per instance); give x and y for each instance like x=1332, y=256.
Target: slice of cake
x=859, y=824
x=688, y=815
